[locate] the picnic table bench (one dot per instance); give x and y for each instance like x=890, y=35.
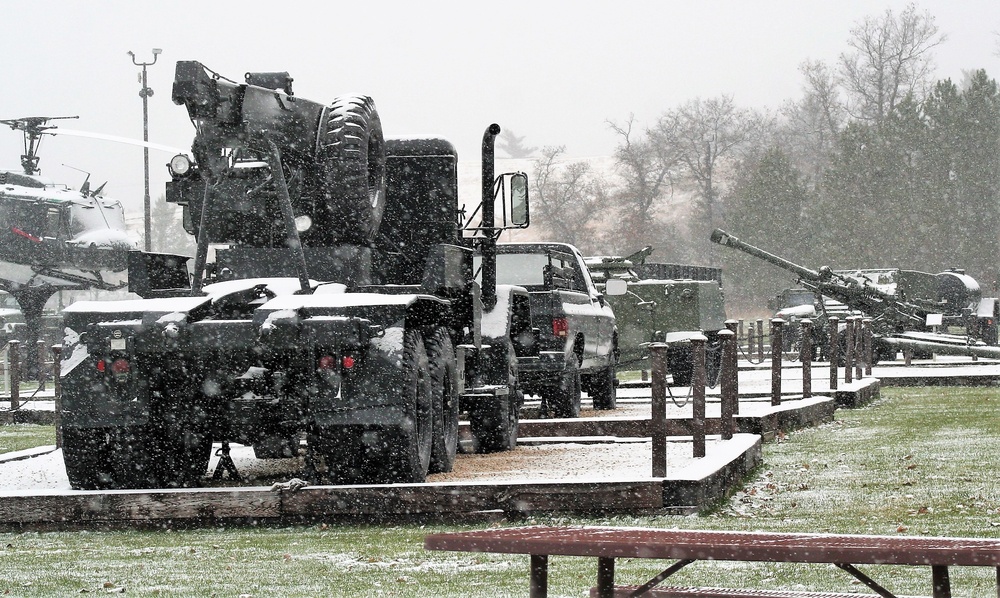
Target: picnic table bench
x=687, y=546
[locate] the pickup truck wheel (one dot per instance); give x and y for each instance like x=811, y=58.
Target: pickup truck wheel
x=564, y=399
x=353, y=197
x=442, y=371
x=407, y=450
x=602, y=389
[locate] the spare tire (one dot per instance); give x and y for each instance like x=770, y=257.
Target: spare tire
x=352, y=170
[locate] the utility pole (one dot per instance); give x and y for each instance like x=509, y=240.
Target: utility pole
x=144, y=93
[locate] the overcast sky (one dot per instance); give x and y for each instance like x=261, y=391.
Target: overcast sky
x=553, y=72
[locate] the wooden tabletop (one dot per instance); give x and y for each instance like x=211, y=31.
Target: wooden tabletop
x=723, y=545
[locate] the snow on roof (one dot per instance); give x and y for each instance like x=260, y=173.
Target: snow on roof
x=164, y=305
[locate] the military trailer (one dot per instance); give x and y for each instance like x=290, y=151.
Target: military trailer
x=340, y=315
x=664, y=303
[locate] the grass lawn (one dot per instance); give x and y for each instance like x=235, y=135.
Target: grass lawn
x=19, y=437
x=919, y=461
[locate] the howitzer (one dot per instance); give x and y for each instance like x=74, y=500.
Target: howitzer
x=897, y=300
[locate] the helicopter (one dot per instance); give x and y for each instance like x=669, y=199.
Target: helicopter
x=52, y=237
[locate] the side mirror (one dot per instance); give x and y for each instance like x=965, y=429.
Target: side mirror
x=615, y=287
x=518, y=185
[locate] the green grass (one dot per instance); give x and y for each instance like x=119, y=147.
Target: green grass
x=920, y=461
x=19, y=437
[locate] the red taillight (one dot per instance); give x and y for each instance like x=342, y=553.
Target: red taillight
x=560, y=327
x=101, y=366
x=119, y=367
x=327, y=362
x=348, y=362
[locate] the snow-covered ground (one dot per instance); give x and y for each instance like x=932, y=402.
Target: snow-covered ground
x=536, y=459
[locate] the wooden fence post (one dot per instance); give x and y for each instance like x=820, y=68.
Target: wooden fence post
x=849, y=353
x=834, y=349
x=14, y=355
x=805, y=357
x=729, y=381
x=776, y=354
x=760, y=340
x=698, y=396
x=658, y=411
x=869, y=354
x=859, y=351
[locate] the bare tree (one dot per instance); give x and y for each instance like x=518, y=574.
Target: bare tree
x=645, y=169
x=811, y=124
x=568, y=196
x=700, y=135
x=892, y=58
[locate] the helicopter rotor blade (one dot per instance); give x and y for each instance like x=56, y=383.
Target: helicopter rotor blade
x=115, y=138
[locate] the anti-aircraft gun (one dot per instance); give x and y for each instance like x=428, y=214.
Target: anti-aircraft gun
x=907, y=307
x=341, y=307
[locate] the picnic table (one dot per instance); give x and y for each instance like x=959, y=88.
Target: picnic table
x=687, y=546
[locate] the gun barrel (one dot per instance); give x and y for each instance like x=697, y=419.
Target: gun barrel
x=723, y=238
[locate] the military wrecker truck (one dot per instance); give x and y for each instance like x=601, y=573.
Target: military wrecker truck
x=341, y=308
x=663, y=303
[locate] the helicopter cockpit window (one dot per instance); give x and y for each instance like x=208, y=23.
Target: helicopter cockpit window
x=53, y=222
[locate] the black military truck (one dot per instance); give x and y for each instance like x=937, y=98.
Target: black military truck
x=340, y=309
x=575, y=342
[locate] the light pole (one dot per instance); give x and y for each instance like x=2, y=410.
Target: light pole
x=144, y=93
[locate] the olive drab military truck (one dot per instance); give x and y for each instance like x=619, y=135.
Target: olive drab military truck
x=340, y=310
x=663, y=303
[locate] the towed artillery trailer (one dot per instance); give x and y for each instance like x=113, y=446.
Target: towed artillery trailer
x=908, y=309
x=663, y=303
x=341, y=308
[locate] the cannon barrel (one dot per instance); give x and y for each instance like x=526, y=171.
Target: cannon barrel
x=251, y=114
x=723, y=238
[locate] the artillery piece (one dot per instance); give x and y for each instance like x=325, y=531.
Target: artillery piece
x=907, y=307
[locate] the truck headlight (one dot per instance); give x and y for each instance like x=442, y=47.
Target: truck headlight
x=179, y=165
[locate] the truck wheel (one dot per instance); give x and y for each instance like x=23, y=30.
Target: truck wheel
x=341, y=451
x=713, y=359
x=602, y=389
x=184, y=457
x=495, y=424
x=111, y=458
x=353, y=171
x=442, y=372
x=680, y=364
x=407, y=450
x=564, y=399
x=86, y=456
